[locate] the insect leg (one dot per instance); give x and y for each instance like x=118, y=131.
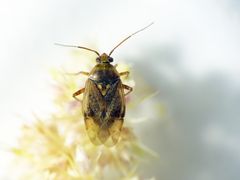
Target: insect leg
x=78, y=93
x=127, y=88
x=124, y=73
x=81, y=72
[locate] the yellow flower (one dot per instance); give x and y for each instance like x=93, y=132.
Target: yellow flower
x=58, y=147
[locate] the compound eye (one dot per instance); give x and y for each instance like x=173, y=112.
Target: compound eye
x=110, y=59
x=98, y=59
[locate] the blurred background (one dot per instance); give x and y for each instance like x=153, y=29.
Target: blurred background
x=190, y=57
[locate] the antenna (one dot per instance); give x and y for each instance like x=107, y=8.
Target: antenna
x=81, y=47
x=130, y=36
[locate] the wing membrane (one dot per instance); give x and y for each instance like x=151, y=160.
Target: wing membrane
x=104, y=114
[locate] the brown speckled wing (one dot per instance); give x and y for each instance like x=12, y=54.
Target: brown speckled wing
x=103, y=114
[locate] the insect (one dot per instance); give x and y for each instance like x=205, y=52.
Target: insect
x=103, y=102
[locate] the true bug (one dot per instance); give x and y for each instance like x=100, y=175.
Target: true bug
x=103, y=103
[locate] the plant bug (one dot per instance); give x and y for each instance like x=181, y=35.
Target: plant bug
x=103, y=103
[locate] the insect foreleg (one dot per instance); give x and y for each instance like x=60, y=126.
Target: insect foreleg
x=78, y=93
x=124, y=73
x=127, y=88
x=81, y=72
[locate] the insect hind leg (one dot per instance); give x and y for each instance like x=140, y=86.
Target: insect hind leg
x=127, y=88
